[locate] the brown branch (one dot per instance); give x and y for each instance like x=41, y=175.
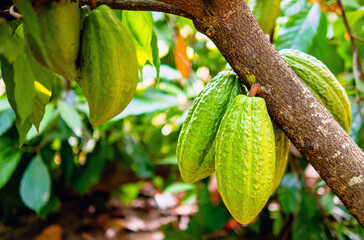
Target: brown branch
x=193, y=7
x=141, y=5
x=357, y=67
x=357, y=38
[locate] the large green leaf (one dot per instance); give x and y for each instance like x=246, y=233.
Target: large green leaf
x=140, y=26
x=35, y=186
x=24, y=91
x=7, y=71
x=301, y=28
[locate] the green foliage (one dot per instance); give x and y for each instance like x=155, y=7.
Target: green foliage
x=48, y=118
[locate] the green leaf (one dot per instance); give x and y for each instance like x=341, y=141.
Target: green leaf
x=9, y=46
x=43, y=92
x=301, y=29
x=288, y=194
x=7, y=118
x=70, y=116
x=140, y=26
x=24, y=91
x=8, y=163
x=7, y=71
x=35, y=185
x=31, y=24
x=179, y=187
x=49, y=120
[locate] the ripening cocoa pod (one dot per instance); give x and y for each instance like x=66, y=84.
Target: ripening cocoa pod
x=59, y=23
x=196, y=142
x=245, y=158
x=322, y=83
x=109, y=67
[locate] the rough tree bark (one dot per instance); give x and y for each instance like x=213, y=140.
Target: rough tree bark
x=231, y=26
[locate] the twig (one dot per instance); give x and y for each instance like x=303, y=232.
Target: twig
x=271, y=35
x=357, y=67
x=141, y=5
x=13, y=13
x=357, y=38
x=254, y=90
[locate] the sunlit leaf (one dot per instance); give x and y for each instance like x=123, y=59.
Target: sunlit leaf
x=179, y=187
x=140, y=26
x=35, y=184
x=301, y=28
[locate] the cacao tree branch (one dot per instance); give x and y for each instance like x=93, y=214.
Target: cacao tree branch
x=141, y=5
x=309, y=126
x=193, y=7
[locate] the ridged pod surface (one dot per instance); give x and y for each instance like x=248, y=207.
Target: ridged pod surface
x=282, y=148
x=196, y=142
x=60, y=31
x=265, y=12
x=109, y=67
x=322, y=83
x=245, y=157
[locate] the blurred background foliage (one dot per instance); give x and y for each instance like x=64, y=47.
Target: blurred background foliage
x=133, y=155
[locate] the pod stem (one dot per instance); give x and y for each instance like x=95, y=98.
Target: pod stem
x=255, y=89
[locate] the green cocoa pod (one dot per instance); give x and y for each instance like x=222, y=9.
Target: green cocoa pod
x=282, y=149
x=196, y=142
x=245, y=157
x=265, y=12
x=59, y=23
x=322, y=83
x=109, y=67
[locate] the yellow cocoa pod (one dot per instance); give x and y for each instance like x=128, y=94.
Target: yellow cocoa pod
x=109, y=67
x=59, y=23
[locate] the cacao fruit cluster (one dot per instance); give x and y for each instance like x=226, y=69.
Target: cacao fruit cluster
x=230, y=133
x=91, y=47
